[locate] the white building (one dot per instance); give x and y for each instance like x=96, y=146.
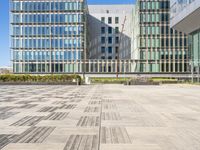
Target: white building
x=105, y=25
x=185, y=17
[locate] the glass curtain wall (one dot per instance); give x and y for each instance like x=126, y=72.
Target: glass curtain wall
x=161, y=49
x=47, y=36
x=196, y=48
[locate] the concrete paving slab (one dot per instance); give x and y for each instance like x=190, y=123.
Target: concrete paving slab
x=100, y=117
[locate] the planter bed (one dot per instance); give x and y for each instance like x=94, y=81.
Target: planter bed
x=39, y=83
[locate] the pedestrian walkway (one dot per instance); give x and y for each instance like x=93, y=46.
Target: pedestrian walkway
x=100, y=117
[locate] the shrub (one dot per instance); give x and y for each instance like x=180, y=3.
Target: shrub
x=39, y=78
x=109, y=80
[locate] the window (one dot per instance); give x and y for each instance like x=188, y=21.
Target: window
x=171, y=42
x=102, y=19
x=162, y=30
x=148, y=42
x=142, y=5
x=116, y=20
x=153, y=17
x=153, y=30
x=102, y=30
x=157, y=17
x=116, y=30
x=143, y=30
x=185, y=41
x=149, y=30
x=162, y=43
x=143, y=42
x=149, y=5
x=103, y=49
x=103, y=40
x=153, y=5
x=143, y=18
x=117, y=40
x=116, y=49
x=164, y=17
x=164, y=5
x=109, y=30
x=157, y=5
x=149, y=17
x=167, y=30
x=109, y=40
x=109, y=20
x=110, y=50
x=153, y=42
x=110, y=57
x=157, y=30
x=142, y=55
x=157, y=42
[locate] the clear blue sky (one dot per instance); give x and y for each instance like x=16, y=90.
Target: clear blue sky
x=4, y=26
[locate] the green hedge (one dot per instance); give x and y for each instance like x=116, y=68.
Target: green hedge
x=109, y=80
x=165, y=80
x=39, y=78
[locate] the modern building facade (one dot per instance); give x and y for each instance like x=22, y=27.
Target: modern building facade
x=109, y=36
x=186, y=18
x=157, y=47
x=67, y=36
x=105, y=23
x=48, y=36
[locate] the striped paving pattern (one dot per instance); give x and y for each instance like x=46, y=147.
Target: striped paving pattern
x=48, y=109
x=88, y=121
x=56, y=116
x=92, y=109
x=6, y=115
x=114, y=135
x=82, y=142
x=27, y=121
x=111, y=116
x=6, y=139
x=34, y=135
x=99, y=117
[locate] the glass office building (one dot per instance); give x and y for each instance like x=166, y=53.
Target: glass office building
x=185, y=17
x=47, y=36
x=195, y=48
x=157, y=47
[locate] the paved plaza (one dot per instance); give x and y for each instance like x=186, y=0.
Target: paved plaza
x=100, y=117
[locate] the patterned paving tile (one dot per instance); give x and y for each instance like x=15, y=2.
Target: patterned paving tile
x=34, y=135
x=5, y=140
x=6, y=115
x=48, y=109
x=114, y=135
x=82, y=142
x=99, y=117
x=88, y=121
x=70, y=106
x=92, y=109
x=110, y=116
x=28, y=121
x=94, y=103
x=60, y=102
x=56, y=116
x=28, y=106
x=109, y=106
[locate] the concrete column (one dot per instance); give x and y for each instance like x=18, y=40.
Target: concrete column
x=192, y=71
x=198, y=78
